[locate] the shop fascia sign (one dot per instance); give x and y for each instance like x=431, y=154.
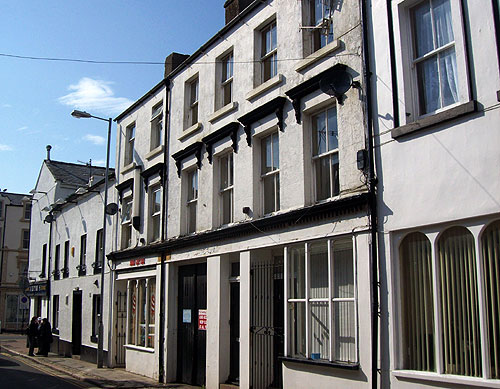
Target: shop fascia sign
x=137, y=262
x=38, y=289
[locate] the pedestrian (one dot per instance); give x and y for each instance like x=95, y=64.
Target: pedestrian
x=39, y=344
x=45, y=337
x=32, y=332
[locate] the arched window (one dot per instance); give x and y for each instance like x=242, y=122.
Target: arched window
x=461, y=348
x=490, y=245
x=417, y=303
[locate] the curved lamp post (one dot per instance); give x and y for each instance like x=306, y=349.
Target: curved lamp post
x=100, y=352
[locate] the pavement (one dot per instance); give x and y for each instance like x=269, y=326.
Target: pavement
x=84, y=371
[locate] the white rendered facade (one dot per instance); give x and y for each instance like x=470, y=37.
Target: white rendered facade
x=245, y=196
x=65, y=259
x=441, y=190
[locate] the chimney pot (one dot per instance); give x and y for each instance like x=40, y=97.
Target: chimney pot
x=48, y=152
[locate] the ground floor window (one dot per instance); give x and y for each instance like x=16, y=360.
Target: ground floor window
x=96, y=311
x=11, y=308
x=321, y=303
x=55, y=311
x=444, y=277
x=141, y=312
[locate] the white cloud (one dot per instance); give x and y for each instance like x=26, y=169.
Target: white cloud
x=5, y=147
x=95, y=139
x=22, y=128
x=96, y=96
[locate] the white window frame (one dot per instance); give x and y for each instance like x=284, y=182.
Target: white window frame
x=327, y=154
x=129, y=144
x=407, y=80
x=156, y=125
x=330, y=299
x=191, y=202
x=27, y=211
x=134, y=283
x=317, y=29
x=126, y=222
x=228, y=189
x=154, y=214
x=275, y=174
x=268, y=55
x=226, y=80
x=192, y=93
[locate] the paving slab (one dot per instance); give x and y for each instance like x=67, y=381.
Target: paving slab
x=82, y=370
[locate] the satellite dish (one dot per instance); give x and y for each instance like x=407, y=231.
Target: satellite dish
x=49, y=218
x=111, y=209
x=337, y=82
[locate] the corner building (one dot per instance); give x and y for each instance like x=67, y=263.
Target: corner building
x=243, y=182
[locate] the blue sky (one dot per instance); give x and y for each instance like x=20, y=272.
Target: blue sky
x=37, y=96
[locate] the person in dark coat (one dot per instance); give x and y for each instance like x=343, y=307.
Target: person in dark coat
x=45, y=337
x=32, y=332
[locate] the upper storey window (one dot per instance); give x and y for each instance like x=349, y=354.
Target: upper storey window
x=321, y=19
x=156, y=125
x=227, y=79
x=226, y=188
x=269, y=52
x=191, y=200
x=270, y=176
x=325, y=153
x=192, y=95
x=27, y=211
x=129, y=145
x=434, y=57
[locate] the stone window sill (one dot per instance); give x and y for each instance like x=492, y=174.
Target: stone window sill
x=317, y=362
x=269, y=84
x=139, y=348
x=129, y=167
x=190, y=131
x=318, y=55
x=445, y=378
x=432, y=120
x=223, y=111
x=153, y=153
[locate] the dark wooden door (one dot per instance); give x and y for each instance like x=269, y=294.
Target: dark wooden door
x=191, y=347
x=76, y=340
x=234, y=333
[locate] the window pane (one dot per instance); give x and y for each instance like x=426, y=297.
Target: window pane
x=192, y=217
x=333, y=142
x=490, y=243
x=156, y=227
x=142, y=308
x=422, y=25
x=297, y=329
x=320, y=330
x=343, y=272
x=461, y=348
x=319, y=133
x=269, y=194
x=334, y=158
x=344, y=331
x=428, y=85
x=443, y=26
x=227, y=206
x=448, y=80
x=224, y=172
x=266, y=146
x=322, y=170
x=296, y=272
x=228, y=92
x=276, y=151
x=152, y=308
x=417, y=301
x=132, y=313
x=319, y=270
x=193, y=185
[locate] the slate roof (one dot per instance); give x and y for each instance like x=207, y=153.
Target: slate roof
x=15, y=198
x=74, y=174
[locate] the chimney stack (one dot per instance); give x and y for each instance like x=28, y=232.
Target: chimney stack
x=173, y=61
x=234, y=7
x=48, y=152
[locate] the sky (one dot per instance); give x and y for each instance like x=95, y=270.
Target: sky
x=37, y=96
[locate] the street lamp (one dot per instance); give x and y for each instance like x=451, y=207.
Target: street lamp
x=100, y=352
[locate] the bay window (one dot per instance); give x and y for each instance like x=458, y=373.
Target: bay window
x=321, y=303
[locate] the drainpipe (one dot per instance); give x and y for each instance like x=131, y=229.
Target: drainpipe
x=48, y=269
x=166, y=139
x=373, y=199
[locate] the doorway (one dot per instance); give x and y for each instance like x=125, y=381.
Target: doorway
x=234, y=324
x=76, y=342
x=191, y=345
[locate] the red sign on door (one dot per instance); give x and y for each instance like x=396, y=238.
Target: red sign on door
x=202, y=319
